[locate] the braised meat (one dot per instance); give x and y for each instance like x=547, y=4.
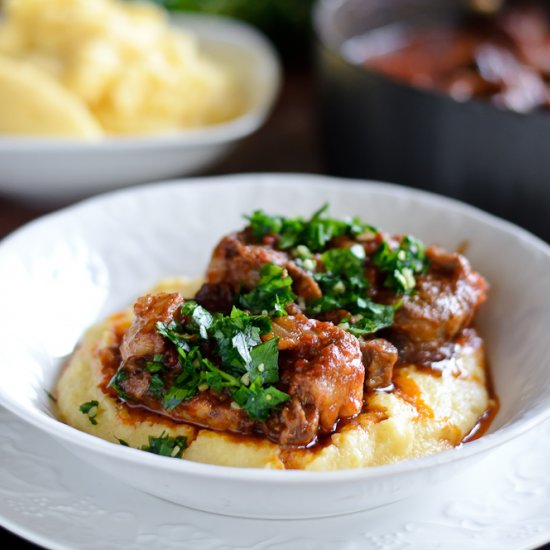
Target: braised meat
x=444, y=301
x=364, y=304
x=379, y=358
x=139, y=346
x=321, y=369
x=207, y=409
x=235, y=266
x=141, y=339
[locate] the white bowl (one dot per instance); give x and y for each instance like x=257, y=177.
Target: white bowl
x=62, y=273
x=52, y=170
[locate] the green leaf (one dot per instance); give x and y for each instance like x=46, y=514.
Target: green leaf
x=314, y=233
x=201, y=318
x=156, y=385
x=262, y=224
x=401, y=263
x=273, y=292
x=187, y=381
x=156, y=365
x=373, y=317
x=115, y=382
x=177, y=394
x=345, y=261
x=259, y=402
x=164, y=445
x=264, y=363
x=238, y=345
x=173, y=332
x=50, y=396
x=345, y=287
x=90, y=409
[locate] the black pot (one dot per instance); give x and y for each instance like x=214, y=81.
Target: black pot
x=375, y=127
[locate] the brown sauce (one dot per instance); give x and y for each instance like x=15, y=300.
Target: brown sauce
x=408, y=390
x=486, y=419
x=484, y=423
x=503, y=59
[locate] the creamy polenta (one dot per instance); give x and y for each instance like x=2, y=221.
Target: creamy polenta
x=427, y=412
x=89, y=68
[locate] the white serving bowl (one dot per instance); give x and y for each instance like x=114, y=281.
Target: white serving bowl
x=53, y=170
x=68, y=270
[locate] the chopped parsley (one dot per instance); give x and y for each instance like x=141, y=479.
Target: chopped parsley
x=248, y=367
x=273, y=292
x=90, y=409
x=344, y=287
x=400, y=264
x=115, y=384
x=372, y=318
x=51, y=397
x=314, y=233
x=165, y=445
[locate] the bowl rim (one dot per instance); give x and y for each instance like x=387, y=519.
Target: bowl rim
x=208, y=29
x=85, y=441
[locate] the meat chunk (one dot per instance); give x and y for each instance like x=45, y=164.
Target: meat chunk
x=304, y=285
x=444, y=302
x=379, y=358
x=236, y=265
x=141, y=338
x=321, y=369
x=141, y=342
x=207, y=409
x=216, y=297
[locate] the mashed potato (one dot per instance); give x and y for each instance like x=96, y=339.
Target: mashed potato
x=33, y=103
x=122, y=66
x=425, y=414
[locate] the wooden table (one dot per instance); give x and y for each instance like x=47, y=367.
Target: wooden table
x=287, y=143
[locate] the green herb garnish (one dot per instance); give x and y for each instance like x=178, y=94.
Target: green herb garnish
x=273, y=292
x=116, y=381
x=344, y=287
x=90, y=409
x=248, y=366
x=400, y=264
x=50, y=396
x=373, y=318
x=166, y=445
x=257, y=401
x=314, y=233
